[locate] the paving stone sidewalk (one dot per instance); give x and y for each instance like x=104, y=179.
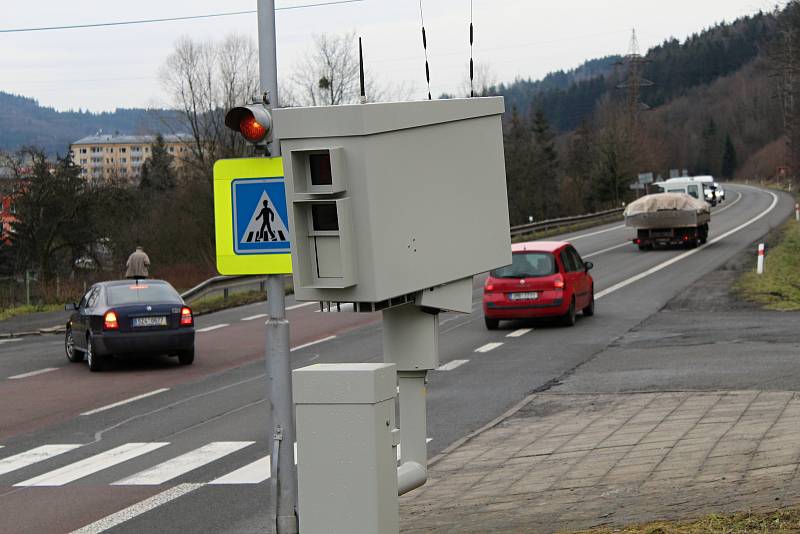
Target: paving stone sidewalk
x=566, y=462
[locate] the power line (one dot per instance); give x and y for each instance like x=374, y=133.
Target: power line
x=171, y=19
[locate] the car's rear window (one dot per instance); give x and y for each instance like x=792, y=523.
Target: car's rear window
x=528, y=265
x=142, y=292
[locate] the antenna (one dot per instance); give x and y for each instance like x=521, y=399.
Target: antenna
x=471, y=65
x=361, y=72
x=425, y=47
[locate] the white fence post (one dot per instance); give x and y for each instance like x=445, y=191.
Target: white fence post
x=760, y=267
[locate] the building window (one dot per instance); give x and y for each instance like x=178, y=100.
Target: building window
x=172, y=149
x=136, y=159
x=96, y=149
x=123, y=170
x=123, y=150
x=83, y=161
x=123, y=160
x=83, y=151
x=147, y=149
x=136, y=149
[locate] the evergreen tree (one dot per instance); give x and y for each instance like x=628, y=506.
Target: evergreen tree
x=545, y=166
x=729, y=162
x=519, y=164
x=158, y=173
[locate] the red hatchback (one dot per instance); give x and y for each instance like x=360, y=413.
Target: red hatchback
x=545, y=279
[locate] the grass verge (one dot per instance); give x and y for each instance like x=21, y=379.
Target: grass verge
x=779, y=287
x=778, y=522
x=25, y=310
x=212, y=304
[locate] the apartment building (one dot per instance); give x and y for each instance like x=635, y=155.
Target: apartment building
x=106, y=156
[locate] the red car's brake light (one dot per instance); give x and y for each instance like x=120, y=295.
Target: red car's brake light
x=558, y=283
x=186, y=316
x=110, y=321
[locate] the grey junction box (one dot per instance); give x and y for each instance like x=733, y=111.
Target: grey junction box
x=387, y=200
x=347, y=462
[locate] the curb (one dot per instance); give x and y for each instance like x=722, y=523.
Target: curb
x=40, y=332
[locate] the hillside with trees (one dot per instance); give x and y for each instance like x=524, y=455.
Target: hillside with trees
x=717, y=103
x=24, y=122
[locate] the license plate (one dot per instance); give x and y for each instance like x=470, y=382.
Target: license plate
x=524, y=296
x=149, y=321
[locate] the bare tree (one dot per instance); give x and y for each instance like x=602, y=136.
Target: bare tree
x=786, y=68
x=329, y=76
x=483, y=81
x=204, y=79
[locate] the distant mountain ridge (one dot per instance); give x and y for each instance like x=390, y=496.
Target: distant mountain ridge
x=24, y=122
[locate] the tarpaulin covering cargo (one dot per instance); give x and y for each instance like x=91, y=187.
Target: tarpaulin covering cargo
x=667, y=210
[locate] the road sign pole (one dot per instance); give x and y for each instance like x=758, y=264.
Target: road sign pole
x=279, y=377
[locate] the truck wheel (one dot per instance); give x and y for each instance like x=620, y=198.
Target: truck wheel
x=645, y=247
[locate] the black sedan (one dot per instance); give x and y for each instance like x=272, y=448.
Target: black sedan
x=129, y=317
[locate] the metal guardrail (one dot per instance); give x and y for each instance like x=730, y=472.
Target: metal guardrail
x=228, y=283
x=563, y=221
x=224, y=283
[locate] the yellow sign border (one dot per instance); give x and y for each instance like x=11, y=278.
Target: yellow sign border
x=228, y=262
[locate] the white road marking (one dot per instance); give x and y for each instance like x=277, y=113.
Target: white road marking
x=454, y=364
x=519, y=333
x=10, y=340
x=137, y=509
x=126, y=401
x=33, y=373
x=183, y=464
x=488, y=347
x=596, y=233
x=688, y=253
x=252, y=473
x=93, y=464
x=39, y=454
x=732, y=204
x=324, y=339
x=215, y=327
x=609, y=249
x=259, y=316
x=303, y=305
x=344, y=307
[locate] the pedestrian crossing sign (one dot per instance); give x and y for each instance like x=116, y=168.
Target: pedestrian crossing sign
x=251, y=217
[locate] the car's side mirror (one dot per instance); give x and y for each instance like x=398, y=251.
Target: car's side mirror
x=71, y=306
x=589, y=266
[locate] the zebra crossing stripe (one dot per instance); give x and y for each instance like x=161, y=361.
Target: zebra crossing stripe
x=184, y=463
x=93, y=464
x=39, y=454
x=137, y=509
x=252, y=473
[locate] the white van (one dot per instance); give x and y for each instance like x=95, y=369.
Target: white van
x=699, y=187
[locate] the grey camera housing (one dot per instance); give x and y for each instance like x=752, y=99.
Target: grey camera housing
x=418, y=190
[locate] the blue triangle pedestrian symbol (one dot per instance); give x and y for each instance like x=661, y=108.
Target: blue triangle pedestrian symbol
x=260, y=216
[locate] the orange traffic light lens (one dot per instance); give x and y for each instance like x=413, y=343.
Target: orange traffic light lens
x=252, y=130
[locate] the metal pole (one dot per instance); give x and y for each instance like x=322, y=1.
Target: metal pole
x=27, y=287
x=279, y=372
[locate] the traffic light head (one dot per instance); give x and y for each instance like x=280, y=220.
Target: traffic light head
x=252, y=121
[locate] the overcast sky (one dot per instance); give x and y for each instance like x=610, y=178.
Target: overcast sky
x=106, y=68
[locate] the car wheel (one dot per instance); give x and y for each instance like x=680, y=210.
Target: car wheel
x=571, y=316
x=186, y=357
x=588, y=311
x=491, y=324
x=73, y=354
x=94, y=360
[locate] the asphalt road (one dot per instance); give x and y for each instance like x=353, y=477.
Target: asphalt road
x=187, y=454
